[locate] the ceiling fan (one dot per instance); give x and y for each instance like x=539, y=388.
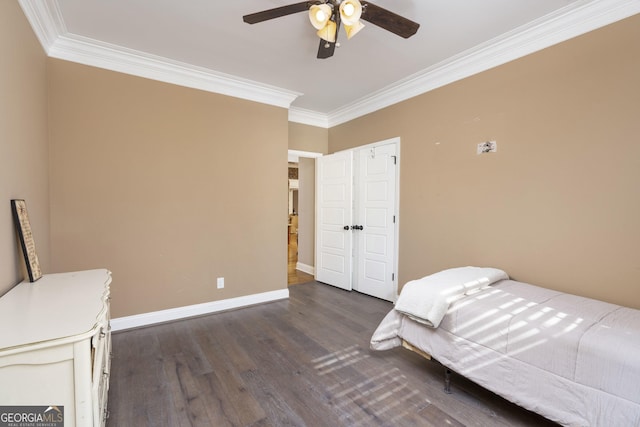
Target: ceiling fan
x=327, y=15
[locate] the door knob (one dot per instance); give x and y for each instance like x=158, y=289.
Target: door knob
x=357, y=227
x=346, y=227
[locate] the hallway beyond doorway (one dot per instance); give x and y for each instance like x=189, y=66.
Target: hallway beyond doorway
x=295, y=277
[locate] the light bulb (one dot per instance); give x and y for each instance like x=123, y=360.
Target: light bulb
x=348, y=9
x=320, y=16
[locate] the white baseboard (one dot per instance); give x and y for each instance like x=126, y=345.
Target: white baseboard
x=309, y=269
x=145, y=319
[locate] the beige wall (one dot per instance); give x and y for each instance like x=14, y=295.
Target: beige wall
x=23, y=140
x=308, y=138
x=559, y=204
x=306, y=211
x=168, y=187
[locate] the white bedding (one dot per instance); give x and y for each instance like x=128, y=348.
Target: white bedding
x=574, y=360
x=426, y=300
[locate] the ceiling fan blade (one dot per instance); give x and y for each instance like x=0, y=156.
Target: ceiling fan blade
x=388, y=20
x=265, y=15
x=326, y=52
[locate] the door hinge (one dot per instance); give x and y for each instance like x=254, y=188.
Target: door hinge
x=394, y=219
x=393, y=276
x=395, y=159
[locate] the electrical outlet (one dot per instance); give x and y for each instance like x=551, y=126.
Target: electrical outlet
x=220, y=282
x=487, y=147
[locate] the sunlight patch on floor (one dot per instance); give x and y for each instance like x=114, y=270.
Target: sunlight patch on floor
x=375, y=397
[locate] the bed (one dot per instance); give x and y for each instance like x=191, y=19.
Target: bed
x=574, y=360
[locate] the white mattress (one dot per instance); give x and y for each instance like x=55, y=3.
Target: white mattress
x=574, y=360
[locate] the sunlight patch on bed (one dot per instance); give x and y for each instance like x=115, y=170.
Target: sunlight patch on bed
x=538, y=314
x=479, y=325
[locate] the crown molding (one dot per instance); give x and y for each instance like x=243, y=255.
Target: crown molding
x=564, y=24
x=47, y=22
x=117, y=58
x=571, y=21
x=308, y=117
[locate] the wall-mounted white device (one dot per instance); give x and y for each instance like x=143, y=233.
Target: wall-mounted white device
x=487, y=147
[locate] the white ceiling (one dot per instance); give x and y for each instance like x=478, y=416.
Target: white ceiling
x=205, y=41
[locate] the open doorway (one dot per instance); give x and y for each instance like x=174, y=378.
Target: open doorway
x=294, y=276
x=301, y=217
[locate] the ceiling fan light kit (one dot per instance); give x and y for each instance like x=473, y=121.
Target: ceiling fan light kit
x=350, y=13
x=328, y=32
x=320, y=15
x=326, y=16
x=352, y=30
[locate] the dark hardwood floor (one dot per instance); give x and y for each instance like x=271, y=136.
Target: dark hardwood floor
x=298, y=362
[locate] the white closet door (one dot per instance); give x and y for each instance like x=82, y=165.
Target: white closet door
x=334, y=207
x=375, y=235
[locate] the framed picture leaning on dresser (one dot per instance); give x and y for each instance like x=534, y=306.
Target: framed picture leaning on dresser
x=21, y=218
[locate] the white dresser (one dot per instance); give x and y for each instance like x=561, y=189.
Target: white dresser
x=55, y=345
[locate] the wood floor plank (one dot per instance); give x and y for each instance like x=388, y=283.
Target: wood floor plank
x=188, y=398
x=291, y=378
x=279, y=413
x=195, y=357
x=304, y=361
x=225, y=382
